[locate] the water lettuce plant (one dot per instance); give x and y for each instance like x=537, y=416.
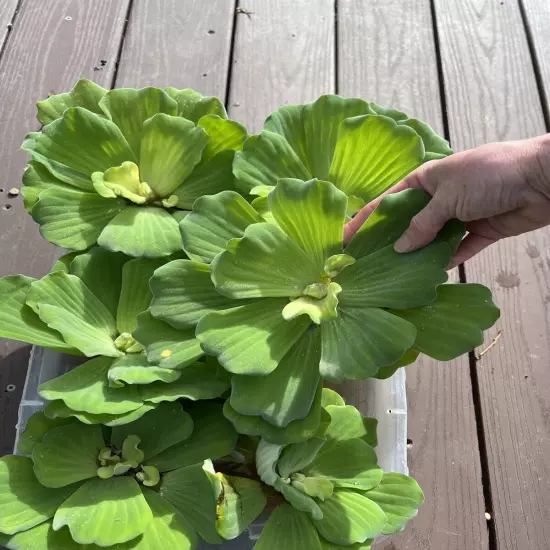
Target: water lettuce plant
x=207, y=296
x=120, y=167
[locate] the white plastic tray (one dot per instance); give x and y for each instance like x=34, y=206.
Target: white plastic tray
x=385, y=400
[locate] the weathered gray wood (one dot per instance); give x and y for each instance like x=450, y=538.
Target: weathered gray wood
x=491, y=96
x=399, y=68
x=52, y=44
x=7, y=11
x=284, y=55
x=178, y=43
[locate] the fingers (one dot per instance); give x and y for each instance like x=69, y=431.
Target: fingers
x=469, y=247
x=425, y=226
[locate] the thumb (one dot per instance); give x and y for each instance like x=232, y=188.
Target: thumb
x=424, y=227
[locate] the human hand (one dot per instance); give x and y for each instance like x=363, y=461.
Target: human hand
x=499, y=190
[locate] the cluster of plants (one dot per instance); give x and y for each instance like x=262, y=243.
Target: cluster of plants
x=209, y=291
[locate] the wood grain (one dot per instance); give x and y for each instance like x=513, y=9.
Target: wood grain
x=7, y=11
x=284, y=55
x=399, y=69
x=178, y=43
x=51, y=45
x=492, y=96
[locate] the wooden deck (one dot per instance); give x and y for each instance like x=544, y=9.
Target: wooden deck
x=476, y=70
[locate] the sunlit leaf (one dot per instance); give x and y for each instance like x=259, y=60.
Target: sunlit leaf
x=298, y=456
x=223, y=134
x=193, y=106
x=134, y=368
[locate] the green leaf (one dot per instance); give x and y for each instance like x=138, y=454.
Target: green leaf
x=326, y=545
x=86, y=389
x=298, y=456
x=319, y=303
x=389, y=279
x=68, y=454
x=223, y=134
x=214, y=222
x=158, y=430
x=37, y=425
x=105, y=512
x=454, y=323
x=264, y=160
x=241, y=502
x=265, y=263
x=311, y=213
x=129, y=109
x=434, y=145
x=166, y=346
x=41, y=537
x=19, y=322
x=348, y=423
x=267, y=456
x=300, y=501
x=85, y=94
x=183, y=293
x=193, y=106
x=213, y=437
x=349, y=352
x=410, y=356
x=73, y=219
x=66, y=304
x=37, y=179
x=330, y=397
x=135, y=295
x=139, y=231
x=288, y=392
x=80, y=141
x=171, y=147
x=372, y=153
x=399, y=497
x=24, y=501
x=395, y=114
x=350, y=463
x=134, y=368
x=189, y=490
x=349, y=518
x=250, y=339
x=288, y=529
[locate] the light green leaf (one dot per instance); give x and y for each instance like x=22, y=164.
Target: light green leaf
x=395, y=114
x=122, y=181
x=298, y=456
x=330, y=397
x=86, y=389
x=80, y=141
x=389, y=279
x=288, y=529
x=41, y=537
x=223, y=134
x=242, y=501
x=158, y=430
x=410, y=356
x=37, y=179
x=85, y=94
x=360, y=341
x=399, y=497
x=214, y=222
x=372, y=153
x=193, y=106
x=434, y=145
x=134, y=368
x=250, y=339
x=105, y=512
x=349, y=518
x=23, y=500
x=166, y=346
x=213, y=437
x=73, y=219
x=267, y=456
x=348, y=423
x=190, y=491
x=300, y=501
x=135, y=295
x=287, y=393
x=350, y=463
x=265, y=263
x=183, y=293
x=19, y=322
x=137, y=231
x=171, y=147
x=129, y=109
x=326, y=545
x=63, y=263
x=37, y=425
x=319, y=303
x=261, y=205
x=311, y=213
x=68, y=454
x=264, y=160
x=454, y=323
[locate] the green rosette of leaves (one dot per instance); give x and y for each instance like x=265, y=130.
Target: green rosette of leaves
x=148, y=484
x=88, y=306
x=360, y=147
x=119, y=168
x=284, y=304
x=335, y=494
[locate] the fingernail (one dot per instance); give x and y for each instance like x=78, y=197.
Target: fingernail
x=403, y=244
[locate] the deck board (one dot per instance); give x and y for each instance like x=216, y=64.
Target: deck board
x=7, y=12
x=399, y=69
x=491, y=96
x=45, y=52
